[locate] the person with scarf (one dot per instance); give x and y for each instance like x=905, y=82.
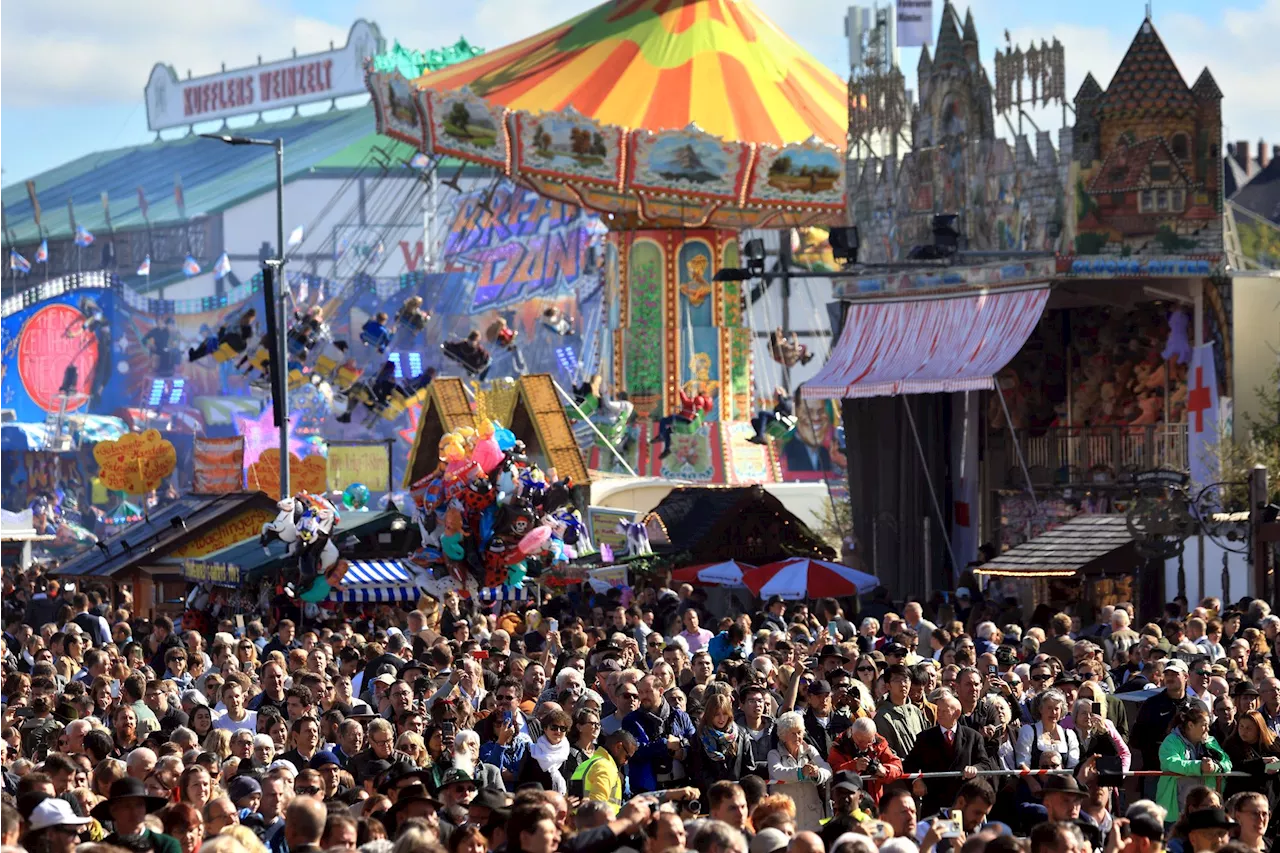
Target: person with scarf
x=544, y=761
x=721, y=748
x=1192, y=753
x=663, y=734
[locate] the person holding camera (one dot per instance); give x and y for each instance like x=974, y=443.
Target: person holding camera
x=865, y=752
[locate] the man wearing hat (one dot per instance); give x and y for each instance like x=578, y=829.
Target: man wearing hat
x=127, y=808
x=1208, y=829
x=1156, y=713
x=412, y=801
x=822, y=723
x=457, y=790
x=773, y=617
x=1062, y=798
x=327, y=765
x=53, y=818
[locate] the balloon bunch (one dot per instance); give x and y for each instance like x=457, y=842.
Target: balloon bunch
x=489, y=515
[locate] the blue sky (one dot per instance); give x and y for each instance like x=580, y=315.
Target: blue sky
x=73, y=73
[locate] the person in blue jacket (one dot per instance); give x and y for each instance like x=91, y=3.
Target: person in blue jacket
x=724, y=644
x=662, y=736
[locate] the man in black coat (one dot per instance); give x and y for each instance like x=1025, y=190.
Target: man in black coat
x=948, y=746
x=1156, y=714
x=822, y=723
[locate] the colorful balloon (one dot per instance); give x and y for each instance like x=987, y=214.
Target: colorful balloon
x=355, y=496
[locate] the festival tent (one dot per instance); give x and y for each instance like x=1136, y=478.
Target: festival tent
x=726, y=573
x=801, y=577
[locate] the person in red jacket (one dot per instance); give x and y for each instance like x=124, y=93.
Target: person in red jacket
x=860, y=749
x=692, y=411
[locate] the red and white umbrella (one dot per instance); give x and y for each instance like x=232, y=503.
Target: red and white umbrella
x=801, y=577
x=728, y=573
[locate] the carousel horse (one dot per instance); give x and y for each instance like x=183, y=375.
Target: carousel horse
x=637, y=538
x=306, y=524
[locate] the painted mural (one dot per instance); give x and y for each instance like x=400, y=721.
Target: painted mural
x=1148, y=157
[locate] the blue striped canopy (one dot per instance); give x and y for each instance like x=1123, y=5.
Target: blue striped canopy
x=503, y=593
x=376, y=581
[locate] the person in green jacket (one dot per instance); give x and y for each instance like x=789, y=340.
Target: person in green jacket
x=1192, y=753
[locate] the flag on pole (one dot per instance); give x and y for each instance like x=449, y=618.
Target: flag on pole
x=144, y=268
x=1203, y=422
x=71, y=214
x=83, y=237
x=18, y=263
x=42, y=253
x=142, y=202
x=190, y=267
x=221, y=267
x=295, y=237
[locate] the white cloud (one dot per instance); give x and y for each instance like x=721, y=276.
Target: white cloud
x=59, y=52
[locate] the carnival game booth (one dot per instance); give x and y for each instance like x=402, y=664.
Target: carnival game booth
x=146, y=556
x=372, y=542
x=1083, y=564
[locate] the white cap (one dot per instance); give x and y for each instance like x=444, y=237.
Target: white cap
x=281, y=763
x=55, y=812
x=1176, y=665
x=385, y=678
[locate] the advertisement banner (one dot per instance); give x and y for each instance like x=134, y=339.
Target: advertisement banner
x=219, y=465
x=218, y=574
x=915, y=23
x=603, y=524
x=244, y=526
x=360, y=462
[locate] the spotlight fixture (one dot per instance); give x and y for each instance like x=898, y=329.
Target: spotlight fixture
x=946, y=240
x=844, y=244
x=753, y=253
x=178, y=522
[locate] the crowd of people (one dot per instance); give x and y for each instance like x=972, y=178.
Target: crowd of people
x=638, y=720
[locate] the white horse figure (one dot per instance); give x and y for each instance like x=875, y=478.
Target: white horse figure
x=637, y=538
x=305, y=524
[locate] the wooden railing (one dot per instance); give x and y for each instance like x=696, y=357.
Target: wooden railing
x=1103, y=450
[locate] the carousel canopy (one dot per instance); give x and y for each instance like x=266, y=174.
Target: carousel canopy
x=663, y=65
x=674, y=112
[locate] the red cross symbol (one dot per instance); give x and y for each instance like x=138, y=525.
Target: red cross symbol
x=1199, y=399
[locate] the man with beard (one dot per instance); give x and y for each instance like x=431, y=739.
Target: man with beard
x=662, y=734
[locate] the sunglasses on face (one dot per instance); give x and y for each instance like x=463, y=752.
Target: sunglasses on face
x=866, y=669
x=557, y=728
x=307, y=791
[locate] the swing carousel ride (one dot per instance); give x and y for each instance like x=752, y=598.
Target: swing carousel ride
x=679, y=122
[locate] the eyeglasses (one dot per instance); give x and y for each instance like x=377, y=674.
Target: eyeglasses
x=1044, y=677
x=386, y=741
x=866, y=669
x=1261, y=814
x=307, y=791
x=557, y=728
x=506, y=697
x=630, y=695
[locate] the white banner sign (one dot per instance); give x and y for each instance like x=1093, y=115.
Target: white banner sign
x=1203, y=424
x=172, y=102
x=915, y=23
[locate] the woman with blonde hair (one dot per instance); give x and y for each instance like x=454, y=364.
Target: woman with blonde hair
x=1097, y=735
x=247, y=655
x=218, y=742
x=196, y=788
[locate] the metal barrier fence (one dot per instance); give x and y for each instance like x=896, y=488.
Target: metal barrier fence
x=959, y=774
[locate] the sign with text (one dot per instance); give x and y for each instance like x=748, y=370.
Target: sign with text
x=218, y=574
x=360, y=462
x=244, y=526
x=172, y=102
x=218, y=465
x=915, y=23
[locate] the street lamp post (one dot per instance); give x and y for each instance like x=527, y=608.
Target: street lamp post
x=281, y=386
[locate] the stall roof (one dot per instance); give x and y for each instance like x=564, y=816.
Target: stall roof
x=693, y=516
x=253, y=559
x=1085, y=542
x=164, y=531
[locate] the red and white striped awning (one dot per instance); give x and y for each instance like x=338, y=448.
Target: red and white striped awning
x=922, y=346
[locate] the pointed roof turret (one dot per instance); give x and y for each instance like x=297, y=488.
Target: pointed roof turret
x=970, y=29
x=1147, y=78
x=1206, y=88
x=925, y=65
x=1089, y=88
x=950, y=49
